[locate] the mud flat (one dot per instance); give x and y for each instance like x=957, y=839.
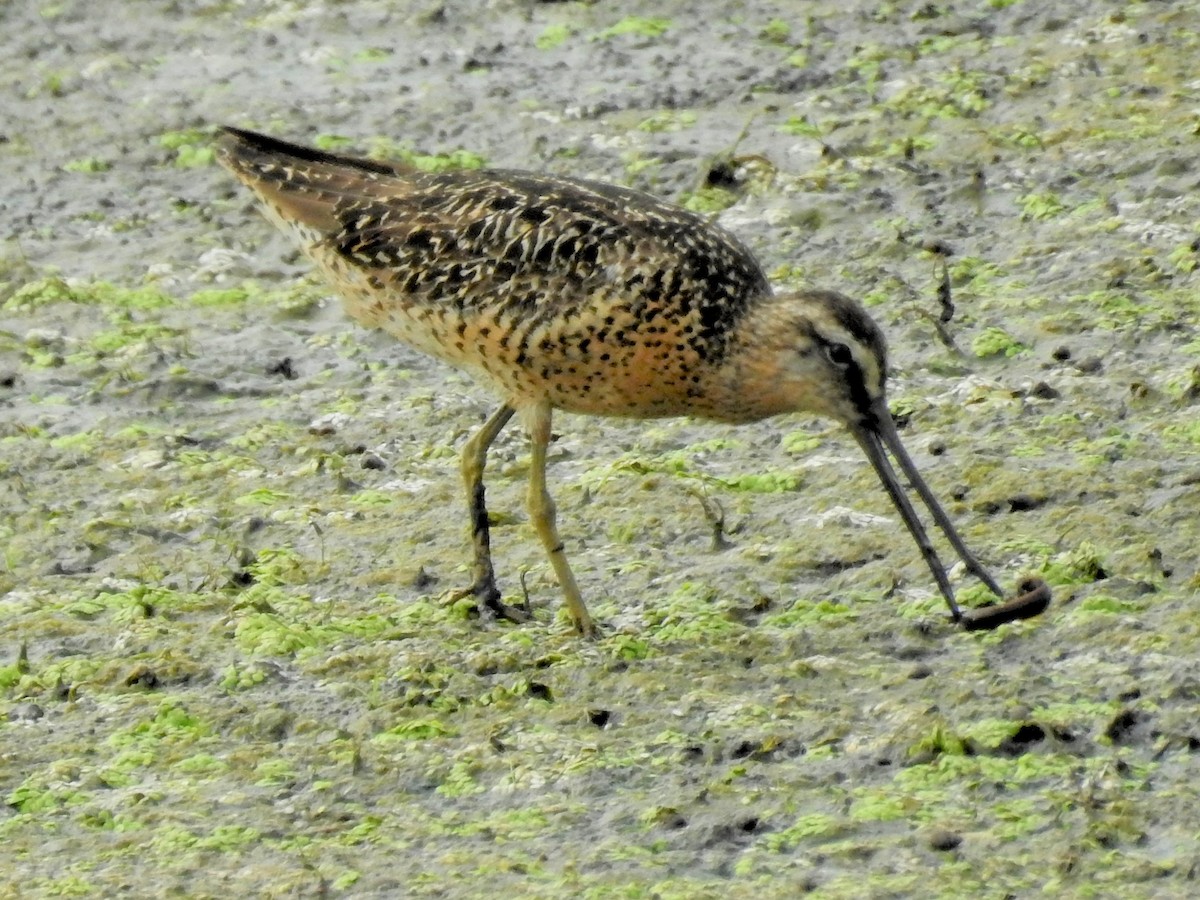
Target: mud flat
x=228, y=516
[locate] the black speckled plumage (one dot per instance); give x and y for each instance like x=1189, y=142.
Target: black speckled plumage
x=573, y=288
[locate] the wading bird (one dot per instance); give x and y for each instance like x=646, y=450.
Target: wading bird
x=565, y=293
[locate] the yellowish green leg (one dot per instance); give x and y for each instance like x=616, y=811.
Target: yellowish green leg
x=541, y=511
x=474, y=459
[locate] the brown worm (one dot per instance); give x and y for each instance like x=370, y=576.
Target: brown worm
x=1032, y=599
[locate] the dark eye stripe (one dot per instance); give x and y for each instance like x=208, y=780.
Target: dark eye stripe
x=859, y=395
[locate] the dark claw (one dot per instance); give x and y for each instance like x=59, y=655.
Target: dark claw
x=490, y=606
x=496, y=609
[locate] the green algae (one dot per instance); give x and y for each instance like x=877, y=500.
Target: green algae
x=553, y=36
x=43, y=292
x=642, y=26
x=191, y=148
x=996, y=341
x=89, y=165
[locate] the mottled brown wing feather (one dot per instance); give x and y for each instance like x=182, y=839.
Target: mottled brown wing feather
x=459, y=234
x=555, y=276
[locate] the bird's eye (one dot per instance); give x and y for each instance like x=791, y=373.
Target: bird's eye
x=839, y=355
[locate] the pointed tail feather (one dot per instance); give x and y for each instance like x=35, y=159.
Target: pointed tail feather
x=296, y=184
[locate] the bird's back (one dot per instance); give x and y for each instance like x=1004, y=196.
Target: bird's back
x=604, y=299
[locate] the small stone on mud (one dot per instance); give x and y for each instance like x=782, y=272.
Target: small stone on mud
x=1019, y=741
x=1043, y=391
x=283, y=368
x=25, y=712
x=372, y=461
x=1024, y=502
x=749, y=825
x=1121, y=728
x=423, y=579
x=143, y=678
x=942, y=839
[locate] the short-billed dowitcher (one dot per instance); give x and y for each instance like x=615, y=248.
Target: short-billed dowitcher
x=564, y=293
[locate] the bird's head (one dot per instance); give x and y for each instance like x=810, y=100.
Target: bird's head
x=818, y=351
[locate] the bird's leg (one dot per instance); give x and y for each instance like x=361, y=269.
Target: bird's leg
x=474, y=458
x=541, y=511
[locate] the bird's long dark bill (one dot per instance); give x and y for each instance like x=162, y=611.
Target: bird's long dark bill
x=882, y=436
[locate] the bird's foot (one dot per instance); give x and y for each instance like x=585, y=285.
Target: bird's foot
x=588, y=630
x=488, y=604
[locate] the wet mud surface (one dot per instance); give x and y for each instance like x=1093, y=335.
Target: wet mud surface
x=229, y=516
